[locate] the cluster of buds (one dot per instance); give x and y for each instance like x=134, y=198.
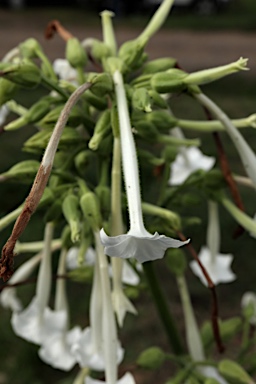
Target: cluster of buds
x=106, y=114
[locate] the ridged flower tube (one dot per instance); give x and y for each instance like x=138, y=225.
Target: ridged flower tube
x=138, y=242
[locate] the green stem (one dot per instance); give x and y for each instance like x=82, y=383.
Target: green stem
x=163, y=310
x=53, y=86
x=214, y=125
x=10, y=217
x=166, y=139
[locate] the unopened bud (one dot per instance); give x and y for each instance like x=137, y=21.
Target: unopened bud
x=162, y=120
x=25, y=73
x=82, y=160
x=91, y=210
x=146, y=129
x=75, y=53
x=98, y=49
x=24, y=171
x=102, y=128
x=102, y=84
x=97, y=102
x=151, y=358
x=234, y=373
x=30, y=48
x=170, y=81
x=141, y=100
x=150, y=158
x=131, y=52
x=104, y=196
x=157, y=100
x=8, y=90
x=159, y=65
x=71, y=211
x=34, y=114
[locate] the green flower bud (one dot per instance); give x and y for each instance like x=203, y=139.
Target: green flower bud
x=150, y=158
x=234, y=373
x=104, y=196
x=34, y=114
x=102, y=84
x=157, y=100
x=30, y=48
x=131, y=53
x=66, y=237
x=180, y=378
x=24, y=171
x=25, y=73
x=8, y=90
x=141, y=100
x=151, y=358
x=162, y=120
x=142, y=81
x=71, y=211
x=99, y=50
x=75, y=53
x=159, y=65
x=168, y=82
x=102, y=128
x=228, y=329
x=113, y=64
x=176, y=261
x=82, y=160
x=146, y=129
x=106, y=146
x=91, y=210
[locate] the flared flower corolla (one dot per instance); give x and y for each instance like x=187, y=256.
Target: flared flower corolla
x=126, y=379
x=219, y=270
x=142, y=248
x=188, y=161
x=137, y=243
x=57, y=342
x=29, y=324
x=86, y=356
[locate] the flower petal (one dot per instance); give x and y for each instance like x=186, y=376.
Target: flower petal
x=219, y=271
x=141, y=248
x=185, y=165
x=56, y=349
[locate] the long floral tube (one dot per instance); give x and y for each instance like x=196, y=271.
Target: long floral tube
x=138, y=242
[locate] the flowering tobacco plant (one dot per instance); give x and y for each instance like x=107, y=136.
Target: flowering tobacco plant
x=103, y=122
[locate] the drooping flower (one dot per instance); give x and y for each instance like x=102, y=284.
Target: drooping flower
x=188, y=161
x=217, y=265
x=29, y=323
x=219, y=270
x=8, y=297
x=56, y=346
x=138, y=242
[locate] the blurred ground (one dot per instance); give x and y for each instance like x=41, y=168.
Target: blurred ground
x=194, y=50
